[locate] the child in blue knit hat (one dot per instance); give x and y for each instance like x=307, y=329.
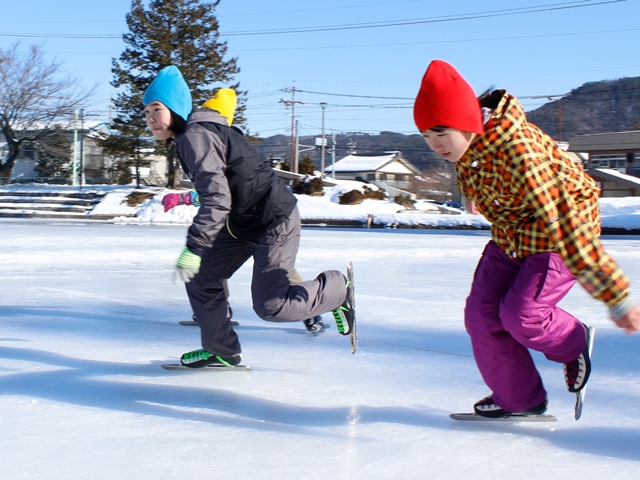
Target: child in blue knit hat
x=168, y=103
x=224, y=102
x=245, y=212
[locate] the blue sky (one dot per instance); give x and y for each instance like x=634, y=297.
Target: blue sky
x=363, y=58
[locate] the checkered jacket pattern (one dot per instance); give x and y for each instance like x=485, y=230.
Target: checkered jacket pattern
x=538, y=199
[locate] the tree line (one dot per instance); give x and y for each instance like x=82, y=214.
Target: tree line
x=37, y=104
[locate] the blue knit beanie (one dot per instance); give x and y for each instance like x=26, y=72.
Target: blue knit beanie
x=170, y=88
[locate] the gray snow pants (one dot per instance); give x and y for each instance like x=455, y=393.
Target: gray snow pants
x=274, y=297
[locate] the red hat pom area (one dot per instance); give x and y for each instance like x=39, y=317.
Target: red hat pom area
x=446, y=99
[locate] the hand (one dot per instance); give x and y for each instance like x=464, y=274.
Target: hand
x=471, y=208
x=171, y=200
x=187, y=267
x=631, y=321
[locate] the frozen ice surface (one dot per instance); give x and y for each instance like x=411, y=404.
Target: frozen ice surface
x=89, y=313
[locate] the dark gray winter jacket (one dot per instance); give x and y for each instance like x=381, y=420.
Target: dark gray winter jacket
x=237, y=186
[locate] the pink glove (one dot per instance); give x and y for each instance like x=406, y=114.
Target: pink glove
x=171, y=200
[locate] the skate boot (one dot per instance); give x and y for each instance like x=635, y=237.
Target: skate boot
x=576, y=373
x=229, y=315
x=202, y=358
x=487, y=408
x=314, y=325
x=344, y=315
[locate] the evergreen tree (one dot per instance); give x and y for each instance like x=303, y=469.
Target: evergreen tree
x=183, y=33
x=306, y=166
x=54, y=157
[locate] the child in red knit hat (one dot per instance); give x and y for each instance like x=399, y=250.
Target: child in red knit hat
x=545, y=234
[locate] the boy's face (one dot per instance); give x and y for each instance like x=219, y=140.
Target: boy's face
x=448, y=142
x=158, y=118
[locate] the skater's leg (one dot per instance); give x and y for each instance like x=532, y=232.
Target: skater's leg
x=295, y=277
x=313, y=324
x=208, y=298
x=530, y=312
x=274, y=297
x=225, y=287
x=505, y=364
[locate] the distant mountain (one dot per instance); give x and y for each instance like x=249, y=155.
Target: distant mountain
x=595, y=107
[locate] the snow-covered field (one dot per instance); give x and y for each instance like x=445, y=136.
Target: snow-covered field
x=88, y=315
x=622, y=213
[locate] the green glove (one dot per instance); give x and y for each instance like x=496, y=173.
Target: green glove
x=187, y=267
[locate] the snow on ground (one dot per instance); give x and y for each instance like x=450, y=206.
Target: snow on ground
x=622, y=213
x=88, y=315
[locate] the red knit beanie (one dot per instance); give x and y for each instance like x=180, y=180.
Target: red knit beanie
x=445, y=99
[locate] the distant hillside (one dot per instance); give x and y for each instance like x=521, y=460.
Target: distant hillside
x=412, y=147
x=595, y=107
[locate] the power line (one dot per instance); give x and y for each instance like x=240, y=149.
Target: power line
x=359, y=26
x=61, y=35
x=530, y=97
x=452, y=18
x=354, y=96
x=434, y=42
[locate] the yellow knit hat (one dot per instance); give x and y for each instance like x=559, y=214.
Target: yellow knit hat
x=224, y=102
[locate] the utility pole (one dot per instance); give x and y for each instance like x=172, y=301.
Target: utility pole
x=323, y=105
x=296, y=158
x=292, y=103
x=333, y=155
x=82, y=176
x=76, y=153
x=558, y=100
x=559, y=120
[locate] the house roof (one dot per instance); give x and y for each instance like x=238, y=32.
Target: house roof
x=614, y=142
x=92, y=128
x=355, y=163
x=615, y=176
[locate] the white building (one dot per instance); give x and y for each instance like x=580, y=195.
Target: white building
x=389, y=171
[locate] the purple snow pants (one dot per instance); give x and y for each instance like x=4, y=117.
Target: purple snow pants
x=512, y=307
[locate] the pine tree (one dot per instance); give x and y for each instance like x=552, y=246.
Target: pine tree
x=183, y=33
x=54, y=154
x=306, y=166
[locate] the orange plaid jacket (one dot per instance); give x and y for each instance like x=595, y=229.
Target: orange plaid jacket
x=538, y=199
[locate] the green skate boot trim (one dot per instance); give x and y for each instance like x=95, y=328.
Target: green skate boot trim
x=343, y=315
x=341, y=320
x=191, y=358
x=223, y=361
x=201, y=358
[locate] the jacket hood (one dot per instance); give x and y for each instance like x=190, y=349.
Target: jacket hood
x=206, y=115
x=504, y=122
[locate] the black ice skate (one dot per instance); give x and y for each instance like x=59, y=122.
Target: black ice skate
x=487, y=408
x=202, y=358
x=576, y=373
x=314, y=325
x=345, y=314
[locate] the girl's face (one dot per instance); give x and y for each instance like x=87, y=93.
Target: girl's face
x=448, y=142
x=158, y=118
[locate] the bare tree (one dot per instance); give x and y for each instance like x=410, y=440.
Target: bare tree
x=35, y=101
